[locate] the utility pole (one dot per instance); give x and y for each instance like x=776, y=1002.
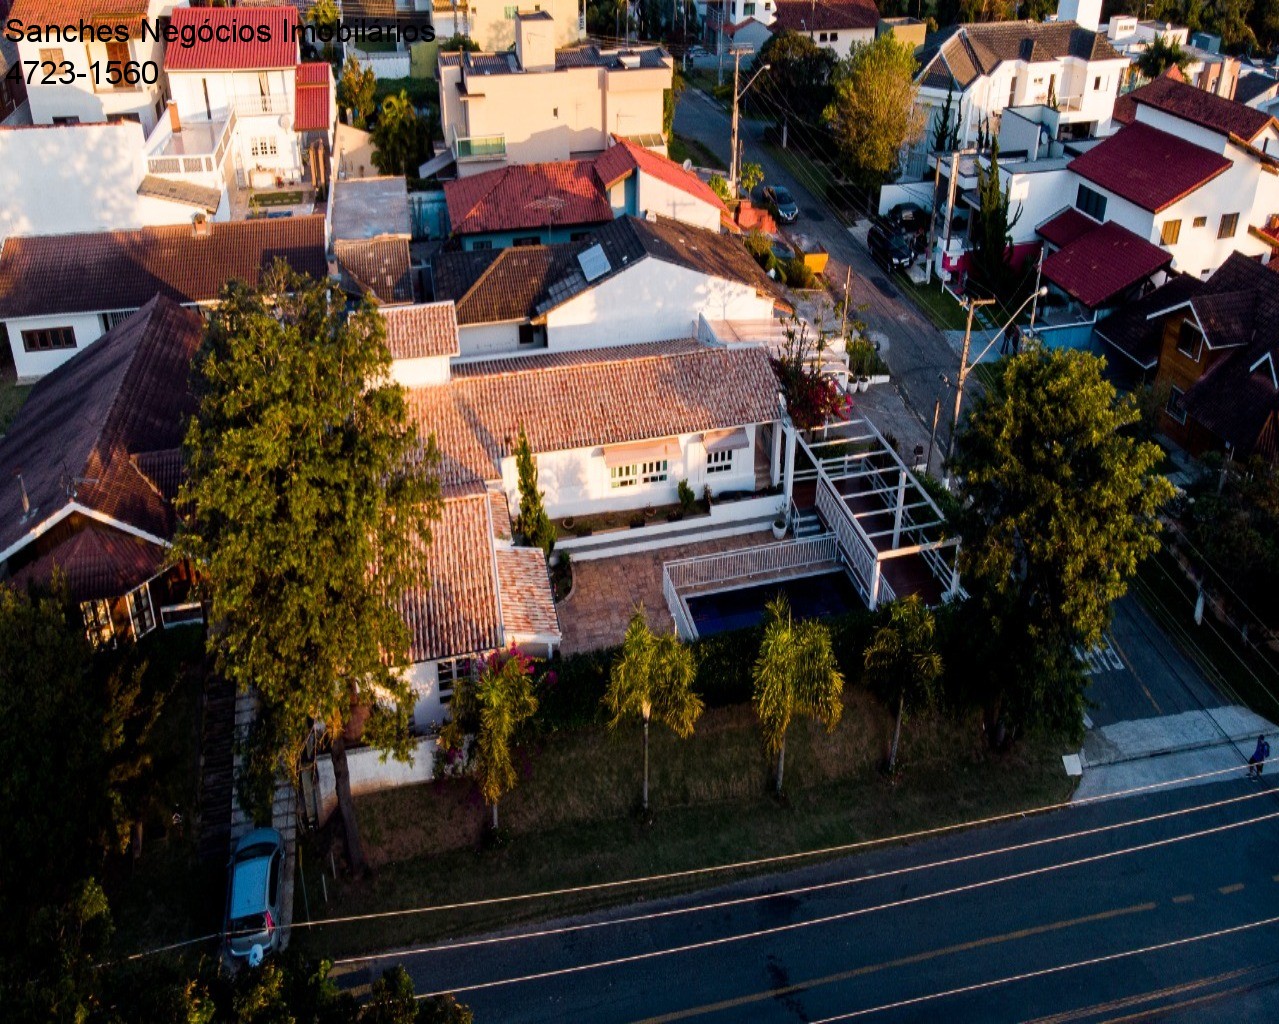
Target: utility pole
x=932, y=437
x=932, y=221
x=843, y=318
x=963, y=373
x=732, y=160
x=1039, y=274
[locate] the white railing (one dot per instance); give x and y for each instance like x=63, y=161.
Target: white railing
x=766, y=558
x=197, y=163
x=853, y=543
x=683, y=626
x=255, y=106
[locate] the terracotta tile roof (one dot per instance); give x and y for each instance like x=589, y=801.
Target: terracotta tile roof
x=524, y=590
x=526, y=196
x=1131, y=330
x=499, y=285
x=455, y=610
x=624, y=157
x=500, y=513
x=973, y=50
x=803, y=16
x=377, y=265
x=124, y=395
x=129, y=13
x=419, y=332
x=1103, y=263
x=186, y=192
x=1149, y=167
x=311, y=97
x=1200, y=107
x=591, y=56
x=121, y=270
x=97, y=562
x=1065, y=226
x=596, y=401
x=272, y=43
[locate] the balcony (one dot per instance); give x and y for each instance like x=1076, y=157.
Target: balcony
x=198, y=149
x=475, y=148
x=261, y=106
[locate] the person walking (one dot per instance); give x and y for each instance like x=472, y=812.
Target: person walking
x=1260, y=756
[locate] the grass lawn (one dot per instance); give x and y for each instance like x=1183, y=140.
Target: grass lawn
x=682, y=149
x=571, y=819
x=275, y=198
x=1242, y=674
x=422, y=91
x=945, y=313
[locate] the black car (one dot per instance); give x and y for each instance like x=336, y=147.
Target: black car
x=893, y=249
x=782, y=203
x=910, y=218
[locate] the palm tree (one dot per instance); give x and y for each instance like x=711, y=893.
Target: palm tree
x=795, y=674
x=903, y=660
x=653, y=678
x=493, y=706
x=398, y=136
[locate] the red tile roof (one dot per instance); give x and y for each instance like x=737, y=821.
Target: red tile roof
x=1149, y=167
x=524, y=592
x=129, y=13
x=249, y=38
x=804, y=16
x=122, y=270
x=1103, y=263
x=1200, y=107
x=417, y=332
x=311, y=100
x=1065, y=226
x=96, y=561
x=624, y=157
x=526, y=196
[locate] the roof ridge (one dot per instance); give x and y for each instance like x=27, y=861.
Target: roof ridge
x=630, y=356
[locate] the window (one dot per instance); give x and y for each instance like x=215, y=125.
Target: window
x=46, y=339
x=483, y=244
x=1012, y=91
x=1175, y=409
x=1200, y=222
x=66, y=120
x=263, y=145
x=748, y=10
x=532, y=336
x=555, y=111
x=834, y=37
x=141, y=611
x=97, y=622
x=53, y=55
x=1229, y=224
x=110, y=320
x=579, y=236
x=719, y=462
x=654, y=472
x=450, y=671
x=821, y=37
x=1091, y=202
x=510, y=11
x=1170, y=232
x=528, y=240
x=623, y=476
x=1189, y=339
x=1096, y=84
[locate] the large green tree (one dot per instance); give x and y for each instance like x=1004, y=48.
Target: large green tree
x=903, y=662
x=796, y=674
x=798, y=79
x=309, y=495
x=1160, y=55
x=990, y=262
x=401, y=138
x=1061, y=506
x=357, y=87
x=873, y=112
x=652, y=677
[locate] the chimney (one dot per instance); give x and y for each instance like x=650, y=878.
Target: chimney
x=175, y=122
x=201, y=227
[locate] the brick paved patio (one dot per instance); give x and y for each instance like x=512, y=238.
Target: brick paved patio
x=606, y=590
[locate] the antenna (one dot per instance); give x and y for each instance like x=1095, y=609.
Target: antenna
x=27, y=510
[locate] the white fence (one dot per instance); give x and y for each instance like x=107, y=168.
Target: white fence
x=384, y=65
x=369, y=773
x=855, y=546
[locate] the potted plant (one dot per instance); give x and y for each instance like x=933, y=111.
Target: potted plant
x=568, y=523
x=779, y=526
x=863, y=383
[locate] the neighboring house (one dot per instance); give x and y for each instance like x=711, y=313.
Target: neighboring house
x=1258, y=89
x=258, y=116
x=834, y=24
x=81, y=89
x=748, y=35
x=534, y=204
x=61, y=293
x=89, y=471
x=369, y=225
x=631, y=281
x=537, y=103
x=1060, y=75
x=493, y=28
x=422, y=340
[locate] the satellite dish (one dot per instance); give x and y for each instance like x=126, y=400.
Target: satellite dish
x=286, y=122
x=688, y=164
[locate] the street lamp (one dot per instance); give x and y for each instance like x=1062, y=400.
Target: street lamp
x=965, y=368
x=734, y=160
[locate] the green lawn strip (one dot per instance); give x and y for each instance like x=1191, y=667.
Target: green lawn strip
x=275, y=198
x=1239, y=672
x=681, y=149
x=945, y=313
x=570, y=819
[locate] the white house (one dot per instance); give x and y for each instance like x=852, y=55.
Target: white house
x=493, y=27
x=99, y=64
x=537, y=103
x=838, y=25
x=60, y=293
x=630, y=281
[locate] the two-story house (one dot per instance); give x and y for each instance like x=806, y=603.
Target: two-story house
x=99, y=65
x=492, y=25
x=538, y=104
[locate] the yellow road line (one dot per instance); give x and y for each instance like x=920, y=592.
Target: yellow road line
x=905, y=961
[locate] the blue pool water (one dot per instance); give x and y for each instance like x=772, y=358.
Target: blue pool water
x=811, y=597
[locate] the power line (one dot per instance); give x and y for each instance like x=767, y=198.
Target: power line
x=847, y=914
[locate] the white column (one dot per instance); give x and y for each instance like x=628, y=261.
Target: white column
x=875, y=576
x=775, y=465
x=954, y=578
x=789, y=486
x=901, y=506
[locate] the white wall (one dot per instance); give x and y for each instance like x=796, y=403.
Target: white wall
x=577, y=482
x=80, y=100
x=665, y=200
x=489, y=339
x=417, y=373
x=1040, y=194
x=77, y=178
x=370, y=774
x=650, y=301
x=31, y=365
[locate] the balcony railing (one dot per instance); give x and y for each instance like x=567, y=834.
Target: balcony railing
x=258, y=106
x=166, y=160
x=479, y=147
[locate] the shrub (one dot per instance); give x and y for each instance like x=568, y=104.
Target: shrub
x=863, y=360
x=720, y=187
x=571, y=688
x=759, y=245
x=799, y=274
x=687, y=498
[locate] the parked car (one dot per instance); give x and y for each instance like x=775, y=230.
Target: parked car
x=910, y=218
x=253, y=895
x=782, y=203
x=894, y=249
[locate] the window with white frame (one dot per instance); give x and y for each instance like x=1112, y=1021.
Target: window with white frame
x=653, y=472
x=719, y=462
x=263, y=145
x=97, y=622
x=141, y=611
x=450, y=671
x=1176, y=408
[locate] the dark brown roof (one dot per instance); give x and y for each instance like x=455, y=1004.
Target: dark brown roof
x=75, y=437
x=804, y=16
x=1254, y=86
x=1202, y=108
x=497, y=285
x=1104, y=263
x=977, y=49
x=379, y=266
x=123, y=270
x=1136, y=331
x=95, y=561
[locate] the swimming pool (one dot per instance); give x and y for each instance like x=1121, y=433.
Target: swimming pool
x=811, y=597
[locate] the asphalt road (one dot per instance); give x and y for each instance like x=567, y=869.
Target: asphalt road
x=917, y=352
x=928, y=932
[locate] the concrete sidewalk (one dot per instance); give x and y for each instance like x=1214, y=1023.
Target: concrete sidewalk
x=1127, y=755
